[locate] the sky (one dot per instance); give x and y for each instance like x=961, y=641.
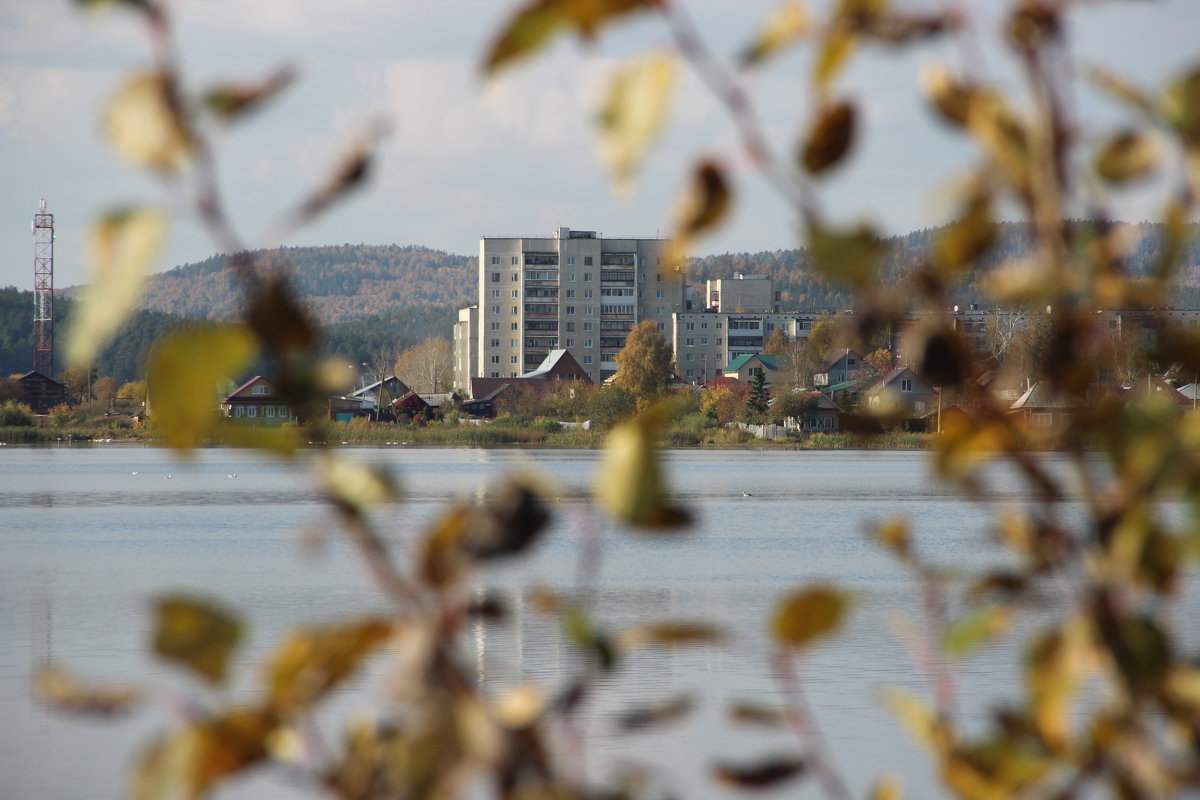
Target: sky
x=467, y=157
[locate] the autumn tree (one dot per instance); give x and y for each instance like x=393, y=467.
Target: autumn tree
x=875, y=365
x=132, y=390
x=105, y=388
x=644, y=365
x=779, y=344
x=428, y=366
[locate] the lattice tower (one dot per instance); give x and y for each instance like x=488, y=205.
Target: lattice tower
x=43, y=291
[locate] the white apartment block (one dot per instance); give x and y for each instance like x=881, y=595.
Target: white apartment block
x=573, y=290
x=705, y=342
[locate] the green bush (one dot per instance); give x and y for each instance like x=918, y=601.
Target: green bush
x=695, y=421
x=681, y=437
x=16, y=415
x=513, y=420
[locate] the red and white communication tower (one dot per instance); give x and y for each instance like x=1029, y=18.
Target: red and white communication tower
x=43, y=291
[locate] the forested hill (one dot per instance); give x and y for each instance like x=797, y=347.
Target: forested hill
x=339, y=283
x=801, y=289
x=344, y=283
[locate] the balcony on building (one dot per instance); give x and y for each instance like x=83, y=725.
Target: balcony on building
x=540, y=259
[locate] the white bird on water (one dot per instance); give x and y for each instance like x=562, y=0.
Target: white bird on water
x=167, y=477
x=231, y=475
x=746, y=494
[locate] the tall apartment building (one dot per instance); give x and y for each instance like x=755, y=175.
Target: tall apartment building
x=573, y=290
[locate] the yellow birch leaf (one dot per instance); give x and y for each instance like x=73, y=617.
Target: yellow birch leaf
x=358, y=486
x=630, y=485
x=704, y=204
x=633, y=112
x=976, y=628
x=64, y=692
x=848, y=255
x=144, y=126
x=122, y=247
x=183, y=374
x=311, y=662
x=808, y=614
x=1126, y=157
x=918, y=719
x=788, y=22
x=197, y=634
x=830, y=138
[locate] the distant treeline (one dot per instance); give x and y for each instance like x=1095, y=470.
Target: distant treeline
x=125, y=357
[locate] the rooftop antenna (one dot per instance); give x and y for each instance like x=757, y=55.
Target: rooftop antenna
x=43, y=291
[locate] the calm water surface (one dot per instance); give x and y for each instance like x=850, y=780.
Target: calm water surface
x=90, y=534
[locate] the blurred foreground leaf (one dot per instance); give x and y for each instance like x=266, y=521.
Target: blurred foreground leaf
x=122, y=248
x=633, y=112
x=187, y=763
x=182, y=377
x=766, y=774
x=65, y=692
x=196, y=634
x=808, y=614
x=312, y=661
x=788, y=23
x=145, y=126
x=630, y=485
x=536, y=23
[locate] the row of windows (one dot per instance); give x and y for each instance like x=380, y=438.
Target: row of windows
x=691, y=342
x=691, y=326
x=692, y=357
x=282, y=412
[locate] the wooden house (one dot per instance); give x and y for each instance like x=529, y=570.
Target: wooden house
x=256, y=399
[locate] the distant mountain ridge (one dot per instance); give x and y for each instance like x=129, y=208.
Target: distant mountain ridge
x=344, y=283
x=339, y=283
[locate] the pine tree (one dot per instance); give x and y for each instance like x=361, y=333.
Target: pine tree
x=758, y=393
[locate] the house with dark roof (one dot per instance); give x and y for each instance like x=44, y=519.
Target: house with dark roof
x=745, y=368
x=558, y=365
x=824, y=417
x=256, y=399
x=902, y=392
x=838, y=367
x=43, y=393
x=1044, y=409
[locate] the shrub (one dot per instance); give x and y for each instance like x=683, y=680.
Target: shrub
x=60, y=416
x=16, y=415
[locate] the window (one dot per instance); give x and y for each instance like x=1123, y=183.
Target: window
x=251, y=411
x=270, y=411
x=703, y=340
x=587, y=342
x=1042, y=419
x=587, y=262
x=570, y=326
x=496, y=260
x=570, y=261
x=658, y=310
x=261, y=388
x=570, y=293
x=919, y=406
x=851, y=362
x=515, y=309
x=691, y=356
x=720, y=341
x=495, y=326
x=691, y=326
x=642, y=277
x=495, y=275
x=570, y=343
x=514, y=326
x=512, y=342
x=515, y=260
x=515, y=276
x=658, y=277
x=691, y=342
x=495, y=292
x=587, y=326
x=661, y=327
x=588, y=292
x=906, y=384
x=587, y=277
x=495, y=374
x=587, y=359
x=512, y=359
x=569, y=310
x=516, y=292
x=495, y=342
x=571, y=278
x=703, y=324
x=589, y=309
x=238, y=411
x=495, y=359
x=720, y=325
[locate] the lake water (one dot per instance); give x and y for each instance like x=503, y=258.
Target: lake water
x=90, y=534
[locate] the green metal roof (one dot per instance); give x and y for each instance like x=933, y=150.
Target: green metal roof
x=837, y=387
x=767, y=361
